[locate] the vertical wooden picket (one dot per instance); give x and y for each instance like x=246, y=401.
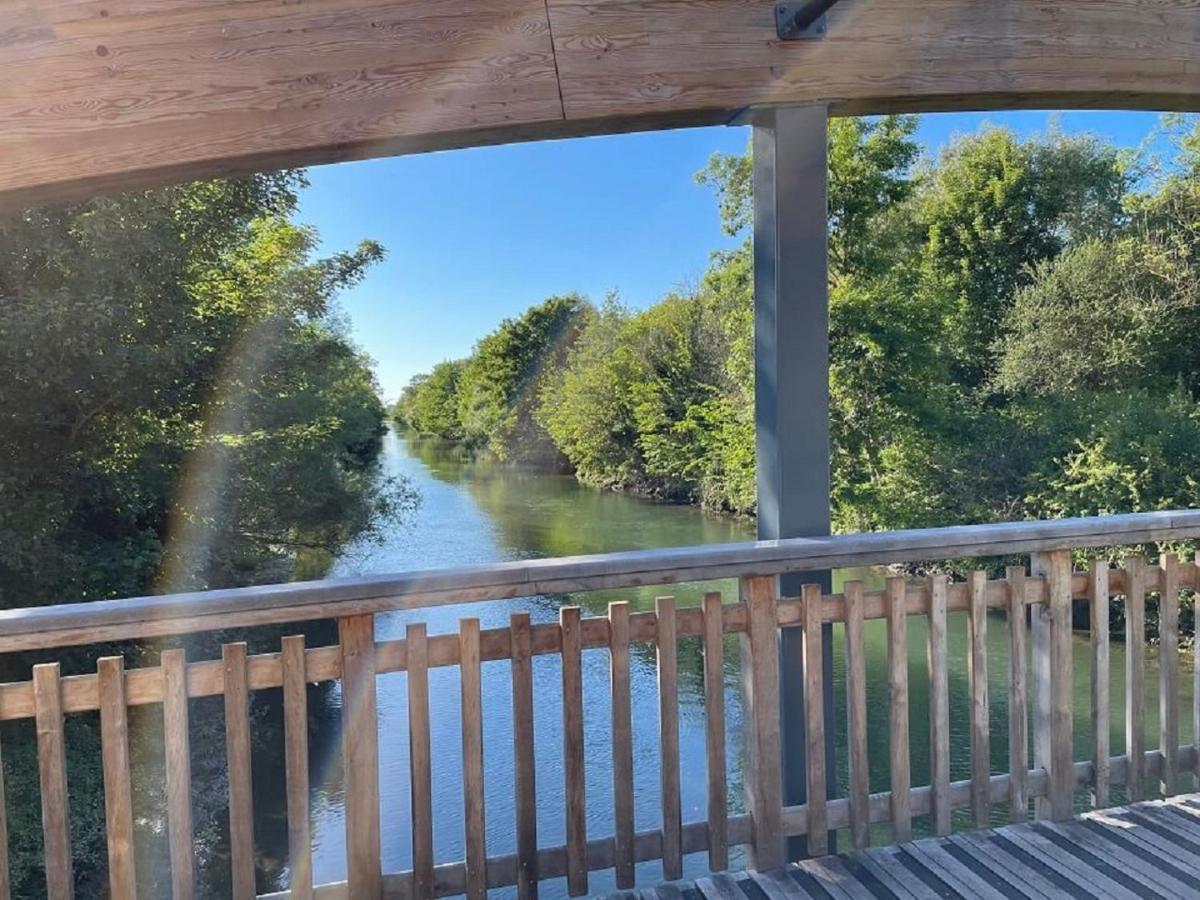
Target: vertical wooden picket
x=900, y=766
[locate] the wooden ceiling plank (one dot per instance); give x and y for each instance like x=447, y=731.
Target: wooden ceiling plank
x=104, y=94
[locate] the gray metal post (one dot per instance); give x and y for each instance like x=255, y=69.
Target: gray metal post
x=791, y=352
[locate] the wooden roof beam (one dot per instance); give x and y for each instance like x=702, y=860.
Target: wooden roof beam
x=99, y=95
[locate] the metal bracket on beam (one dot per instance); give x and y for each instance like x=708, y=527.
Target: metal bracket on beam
x=802, y=20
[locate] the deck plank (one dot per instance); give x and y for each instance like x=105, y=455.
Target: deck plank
x=1065, y=865
x=896, y=879
x=1148, y=849
x=1024, y=879
x=934, y=857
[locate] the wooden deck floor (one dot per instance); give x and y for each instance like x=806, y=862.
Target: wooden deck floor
x=1147, y=850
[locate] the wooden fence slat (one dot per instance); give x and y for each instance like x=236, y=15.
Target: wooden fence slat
x=1135, y=675
x=1168, y=685
x=472, y=743
x=1196, y=681
x=360, y=753
x=714, y=715
x=573, y=751
x=939, y=707
x=295, y=758
x=977, y=674
x=419, y=761
x=118, y=793
x=1053, y=715
x=901, y=774
x=856, y=715
x=814, y=721
x=760, y=682
x=237, y=754
x=52, y=776
x=5, y=876
x=622, y=743
x=177, y=749
x=524, y=779
x=1018, y=710
x=1098, y=617
x=1062, y=708
x=668, y=726
x=1039, y=624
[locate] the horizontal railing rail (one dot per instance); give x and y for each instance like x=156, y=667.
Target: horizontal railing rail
x=167, y=614
x=1028, y=610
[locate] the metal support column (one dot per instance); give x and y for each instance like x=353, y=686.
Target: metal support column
x=791, y=352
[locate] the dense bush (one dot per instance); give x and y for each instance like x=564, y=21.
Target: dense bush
x=180, y=410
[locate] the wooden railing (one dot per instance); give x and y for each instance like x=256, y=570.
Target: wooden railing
x=1039, y=601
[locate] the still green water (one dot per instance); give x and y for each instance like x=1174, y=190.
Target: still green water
x=477, y=512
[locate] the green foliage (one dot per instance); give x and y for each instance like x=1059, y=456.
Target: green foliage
x=429, y=403
x=1126, y=451
x=587, y=412
x=171, y=376
x=1011, y=335
x=1131, y=302
x=502, y=380
x=181, y=410
x=994, y=206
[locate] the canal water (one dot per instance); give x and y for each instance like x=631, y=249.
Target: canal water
x=475, y=512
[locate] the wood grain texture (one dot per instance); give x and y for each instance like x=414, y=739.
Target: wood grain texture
x=524, y=769
x=1168, y=671
x=574, y=775
x=5, y=873
x=420, y=765
x=52, y=779
x=856, y=715
x=1039, y=626
x=1018, y=693
x=1056, y=714
x=118, y=792
x=622, y=743
x=939, y=707
x=101, y=94
x=295, y=760
x=760, y=687
x=177, y=749
x=71, y=624
x=131, y=93
x=814, y=722
x=898, y=739
x=1098, y=602
x=1135, y=677
x=472, y=746
x=714, y=730
x=977, y=676
x=668, y=731
x=237, y=756
x=636, y=56
x=360, y=730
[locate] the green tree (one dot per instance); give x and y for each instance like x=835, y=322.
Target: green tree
x=430, y=403
x=502, y=380
x=994, y=207
x=181, y=410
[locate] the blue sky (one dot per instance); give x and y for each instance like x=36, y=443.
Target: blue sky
x=474, y=236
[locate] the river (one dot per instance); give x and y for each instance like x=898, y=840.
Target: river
x=476, y=512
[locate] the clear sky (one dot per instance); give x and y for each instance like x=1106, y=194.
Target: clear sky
x=474, y=236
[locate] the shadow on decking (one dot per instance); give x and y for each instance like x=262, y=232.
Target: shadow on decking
x=1129, y=853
